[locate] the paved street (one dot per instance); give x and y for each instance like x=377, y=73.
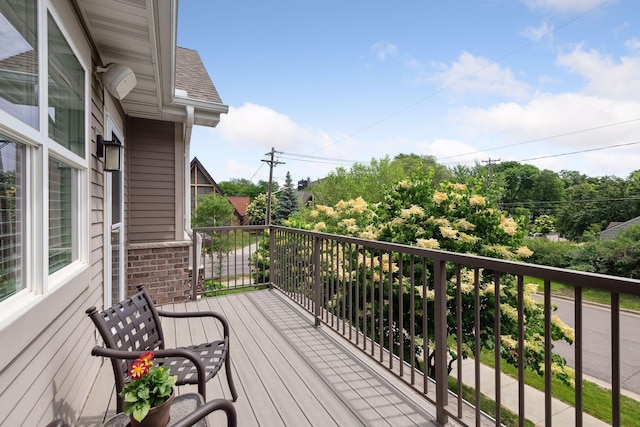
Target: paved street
x=234, y=263
x=597, y=343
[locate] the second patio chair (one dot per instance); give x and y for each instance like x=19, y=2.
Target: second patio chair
x=132, y=327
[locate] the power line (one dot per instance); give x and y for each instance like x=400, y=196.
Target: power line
x=561, y=202
x=440, y=90
x=466, y=77
x=581, y=151
x=256, y=172
x=586, y=150
x=346, y=162
x=306, y=156
x=542, y=139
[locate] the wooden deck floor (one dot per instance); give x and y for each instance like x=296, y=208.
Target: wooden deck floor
x=287, y=372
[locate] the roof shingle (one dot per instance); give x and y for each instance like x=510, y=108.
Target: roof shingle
x=192, y=77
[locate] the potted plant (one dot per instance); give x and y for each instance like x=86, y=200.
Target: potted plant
x=149, y=393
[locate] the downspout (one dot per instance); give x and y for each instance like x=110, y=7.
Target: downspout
x=188, y=127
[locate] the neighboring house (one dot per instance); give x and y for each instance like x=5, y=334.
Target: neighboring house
x=304, y=194
x=616, y=228
x=72, y=235
x=240, y=204
x=202, y=183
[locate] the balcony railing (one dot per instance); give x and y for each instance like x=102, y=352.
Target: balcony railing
x=412, y=309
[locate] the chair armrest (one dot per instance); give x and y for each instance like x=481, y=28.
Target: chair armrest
x=113, y=353
x=220, y=317
x=208, y=408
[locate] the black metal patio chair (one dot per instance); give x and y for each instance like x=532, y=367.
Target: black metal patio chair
x=132, y=328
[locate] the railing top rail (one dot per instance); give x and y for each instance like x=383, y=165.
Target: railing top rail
x=570, y=277
x=231, y=228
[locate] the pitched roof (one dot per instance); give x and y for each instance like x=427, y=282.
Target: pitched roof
x=192, y=77
x=195, y=163
x=240, y=203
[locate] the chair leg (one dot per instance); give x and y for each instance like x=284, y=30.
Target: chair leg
x=227, y=368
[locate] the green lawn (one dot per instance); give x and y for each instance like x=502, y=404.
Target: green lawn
x=596, y=400
x=629, y=302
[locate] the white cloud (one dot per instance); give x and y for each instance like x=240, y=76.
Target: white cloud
x=549, y=114
x=536, y=33
x=577, y=122
x=563, y=5
x=633, y=44
x=257, y=125
x=476, y=74
x=383, y=49
x=606, y=77
x=450, y=152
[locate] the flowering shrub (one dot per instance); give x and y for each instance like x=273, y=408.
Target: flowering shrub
x=148, y=387
x=453, y=217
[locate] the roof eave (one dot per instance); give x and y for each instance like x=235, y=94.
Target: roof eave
x=205, y=113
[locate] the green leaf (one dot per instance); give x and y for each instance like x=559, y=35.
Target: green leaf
x=140, y=413
x=130, y=397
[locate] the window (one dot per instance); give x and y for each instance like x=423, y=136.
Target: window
x=11, y=217
x=53, y=144
x=66, y=93
x=61, y=211
x=19, y=60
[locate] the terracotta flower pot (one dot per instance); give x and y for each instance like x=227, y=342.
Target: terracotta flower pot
x=158, y=416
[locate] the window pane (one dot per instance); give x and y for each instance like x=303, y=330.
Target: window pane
x=19, y=60
x=12, y=187
x=61, y=235
x=66, y=93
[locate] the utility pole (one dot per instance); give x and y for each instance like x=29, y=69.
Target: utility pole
x=489, y=163
x=272, y=163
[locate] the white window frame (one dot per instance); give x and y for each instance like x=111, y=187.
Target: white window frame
x=112, y=128
x=39, y=148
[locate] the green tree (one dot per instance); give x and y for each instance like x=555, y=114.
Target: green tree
x=420, y=166
x=288, y=201
x=575, y=216
x=518, y=181
x=244, y=187
x=372, y=179
x=464, y=173
x=570, y=178
x=547, y=190
x=213, y=210
x=257, y=209
x=595, y=203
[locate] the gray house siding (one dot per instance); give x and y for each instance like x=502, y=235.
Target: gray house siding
x=613, y=232
x=51, y=374
x=152, y=192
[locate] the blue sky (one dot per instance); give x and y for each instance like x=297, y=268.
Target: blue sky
x=464, y=81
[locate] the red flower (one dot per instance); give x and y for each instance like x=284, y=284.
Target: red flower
x=138, y=369
x=146, y=358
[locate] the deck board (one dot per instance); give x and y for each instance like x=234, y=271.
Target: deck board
x=286, y=371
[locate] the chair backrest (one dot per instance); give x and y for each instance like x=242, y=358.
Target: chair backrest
x=131, y=325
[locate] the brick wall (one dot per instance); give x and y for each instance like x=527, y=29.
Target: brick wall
x=164, y=272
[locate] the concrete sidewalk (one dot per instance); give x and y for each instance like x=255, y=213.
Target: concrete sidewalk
x=563, y=414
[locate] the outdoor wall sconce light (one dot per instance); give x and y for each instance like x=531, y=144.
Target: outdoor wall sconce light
x=110, y=150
